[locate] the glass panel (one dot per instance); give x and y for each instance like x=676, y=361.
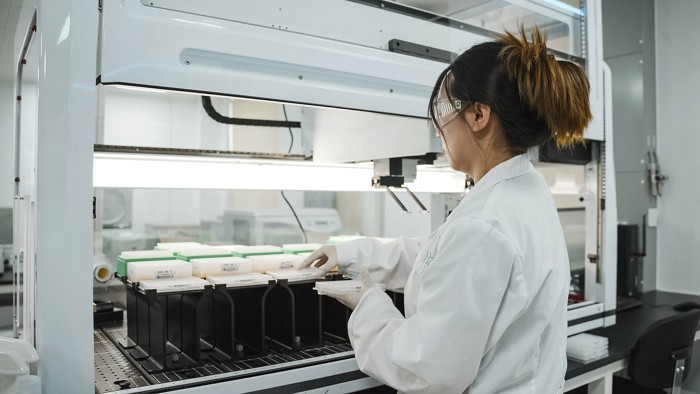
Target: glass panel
x=561, y=20
x=137, y=219
x=565, y=182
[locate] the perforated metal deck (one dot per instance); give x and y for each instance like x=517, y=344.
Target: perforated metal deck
x=116, y=371
x=113, y=371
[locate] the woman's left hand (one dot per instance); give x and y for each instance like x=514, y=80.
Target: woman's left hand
x=351, y=300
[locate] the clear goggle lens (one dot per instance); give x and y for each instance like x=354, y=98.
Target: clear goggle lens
x=446, y=109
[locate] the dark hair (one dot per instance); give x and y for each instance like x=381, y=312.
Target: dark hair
x=534, y=96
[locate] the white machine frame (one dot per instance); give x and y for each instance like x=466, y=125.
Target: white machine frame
x=290, y=55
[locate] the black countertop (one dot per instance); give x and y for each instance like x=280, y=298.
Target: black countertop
x=629, y=326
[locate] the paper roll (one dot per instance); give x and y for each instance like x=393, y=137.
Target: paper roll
x=102, y=272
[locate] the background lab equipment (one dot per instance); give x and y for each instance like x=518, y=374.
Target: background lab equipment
x=348, y=102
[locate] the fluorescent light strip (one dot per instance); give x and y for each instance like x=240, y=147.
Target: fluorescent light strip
x=121, y=170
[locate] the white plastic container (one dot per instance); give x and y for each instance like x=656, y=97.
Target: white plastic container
x=586, y=347
x=342, y=287
x=273, y=262
x=131, y=256
x=202, y=268
x=17, y=358
x=138, y=271
x=170, y=285
x=293, y=275
x=250, y=279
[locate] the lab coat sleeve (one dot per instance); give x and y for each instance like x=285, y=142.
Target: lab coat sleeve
x=389, y=263
x=439, y=348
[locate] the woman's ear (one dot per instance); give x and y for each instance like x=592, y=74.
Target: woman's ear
x=479, y=117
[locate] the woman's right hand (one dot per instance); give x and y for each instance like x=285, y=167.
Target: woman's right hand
x=324, y=258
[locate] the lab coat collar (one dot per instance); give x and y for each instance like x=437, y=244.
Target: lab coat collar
x=511, y=168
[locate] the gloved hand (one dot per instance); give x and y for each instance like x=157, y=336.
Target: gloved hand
x=351, y=300
x=324, y=258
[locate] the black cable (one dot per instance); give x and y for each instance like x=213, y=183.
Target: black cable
x=306, y=240
x=211, y=111
x=291, y=143
x=291, y=135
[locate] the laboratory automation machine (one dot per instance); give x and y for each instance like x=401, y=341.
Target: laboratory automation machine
x=211, y=128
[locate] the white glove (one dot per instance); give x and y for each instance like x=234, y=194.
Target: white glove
x=351, y=300
x=324, y=258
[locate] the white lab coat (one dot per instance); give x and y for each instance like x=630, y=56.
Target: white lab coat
x=485, y=295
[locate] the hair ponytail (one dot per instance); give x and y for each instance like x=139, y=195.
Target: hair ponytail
x=557, y=91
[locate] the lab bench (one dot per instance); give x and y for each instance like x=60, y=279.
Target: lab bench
x=622, y=337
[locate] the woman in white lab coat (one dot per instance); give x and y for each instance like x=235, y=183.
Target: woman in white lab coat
x=486, y=293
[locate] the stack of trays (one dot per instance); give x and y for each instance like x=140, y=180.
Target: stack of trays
x=585, y=348
x=239, y=280
x=127, y=257
x=138, y=271
x=173, y=285
x=274, y=262
x=203, y=268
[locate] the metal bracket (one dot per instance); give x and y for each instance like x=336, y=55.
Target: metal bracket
x=403, y=207
x=678, y=376
x=595, y=259
x=413, y=196
x=423, y=209
x=655, y=177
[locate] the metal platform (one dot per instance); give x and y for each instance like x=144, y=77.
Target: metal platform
x=115, y=370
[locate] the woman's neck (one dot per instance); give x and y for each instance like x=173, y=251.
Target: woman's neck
x=489, y=163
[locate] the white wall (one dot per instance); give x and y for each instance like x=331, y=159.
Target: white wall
x=678, y=133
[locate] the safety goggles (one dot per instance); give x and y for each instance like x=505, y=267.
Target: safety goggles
x=446, y=110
